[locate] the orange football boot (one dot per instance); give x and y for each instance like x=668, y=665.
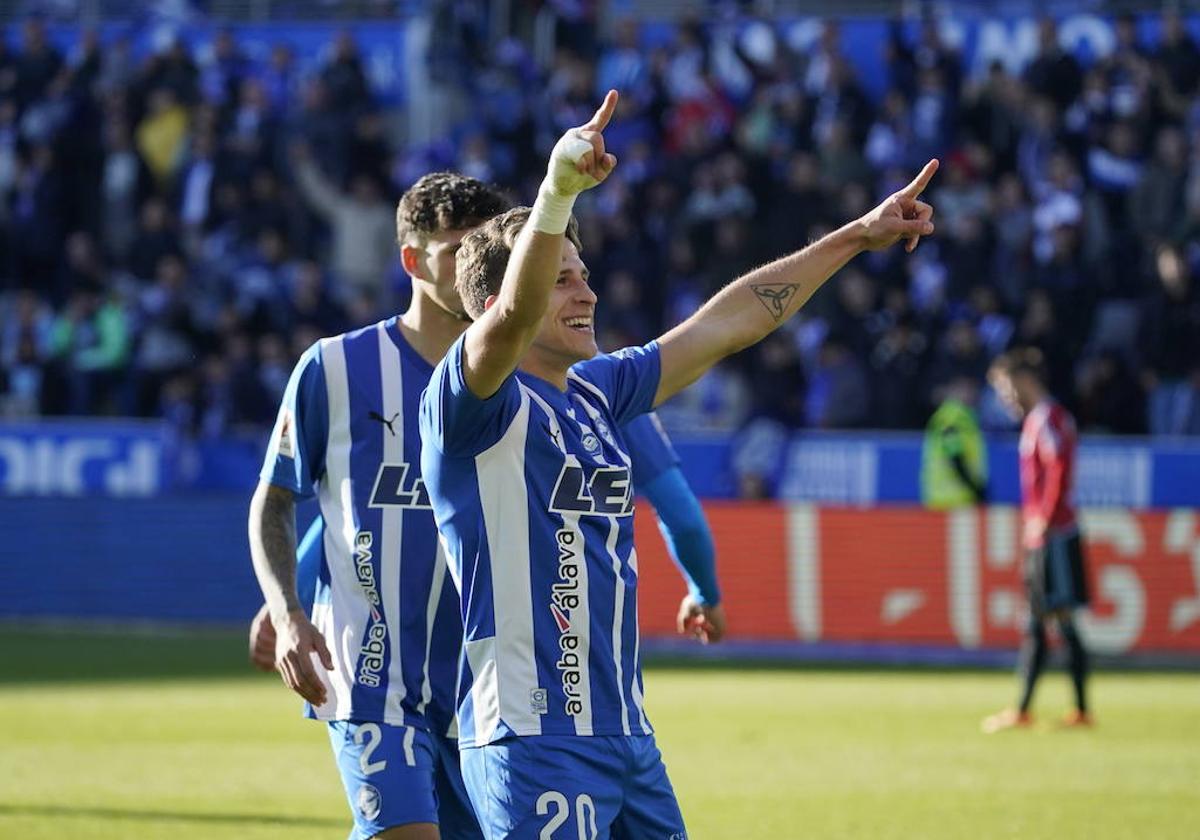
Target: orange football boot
x=1004, y=720
x=1077, y=720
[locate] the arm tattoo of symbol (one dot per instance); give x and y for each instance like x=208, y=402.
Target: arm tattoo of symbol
x=775, y=297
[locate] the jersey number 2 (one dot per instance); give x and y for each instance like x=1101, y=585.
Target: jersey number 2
x=585, y=814
x=369, y=732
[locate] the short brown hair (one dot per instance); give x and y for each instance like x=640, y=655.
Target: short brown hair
x=442, y=201
x=483, y=256
x=1027, y=360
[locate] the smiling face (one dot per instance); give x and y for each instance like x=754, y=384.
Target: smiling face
x=568, y=332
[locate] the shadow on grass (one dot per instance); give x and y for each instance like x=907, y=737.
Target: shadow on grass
x=69, y=655
x=55, y=656
x=52, y=811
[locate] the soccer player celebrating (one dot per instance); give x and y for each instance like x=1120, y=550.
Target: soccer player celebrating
x=346, y=432
x=531, y=489
x=1055, y=579
x=369, y=570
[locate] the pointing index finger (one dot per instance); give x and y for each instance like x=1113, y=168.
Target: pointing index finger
x=918, y=184
x=599, y=120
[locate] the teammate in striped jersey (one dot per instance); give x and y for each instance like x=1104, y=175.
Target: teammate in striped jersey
x=431, y=219
x=529, y=476
x=347, y=433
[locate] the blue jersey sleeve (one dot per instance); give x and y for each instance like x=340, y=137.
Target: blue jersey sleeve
x=296, y=453
x=455, y=421
x=628, y=379
x=688, y=537
x=649, y=448
x=308, y=564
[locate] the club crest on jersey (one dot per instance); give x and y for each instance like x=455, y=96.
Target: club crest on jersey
x=591, y=443
x=603, y=430
x=392, y=488
x=565, y=597
x=369, y=802
x=607, y=491
x=370, y=659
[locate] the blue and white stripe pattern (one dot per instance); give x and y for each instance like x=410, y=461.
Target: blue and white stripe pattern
x=347, y=433
x=533, y=495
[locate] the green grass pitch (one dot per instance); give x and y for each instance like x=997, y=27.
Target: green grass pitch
x=116, y=736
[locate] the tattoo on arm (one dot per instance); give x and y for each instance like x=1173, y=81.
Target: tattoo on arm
x=277, y=536
x=775, y=297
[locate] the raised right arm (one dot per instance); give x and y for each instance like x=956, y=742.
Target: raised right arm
x=495, y=343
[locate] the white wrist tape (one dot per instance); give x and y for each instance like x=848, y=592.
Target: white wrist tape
x=551, y=212
x=563, y=183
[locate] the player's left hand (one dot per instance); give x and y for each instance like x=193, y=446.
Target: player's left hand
x=902, y=215
x=262, y=640
x=705, y=622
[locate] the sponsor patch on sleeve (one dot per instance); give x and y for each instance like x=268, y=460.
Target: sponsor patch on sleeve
x=286, y=449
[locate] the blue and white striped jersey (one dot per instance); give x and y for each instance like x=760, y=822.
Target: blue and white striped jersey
x=533, y=495
x=347, y=432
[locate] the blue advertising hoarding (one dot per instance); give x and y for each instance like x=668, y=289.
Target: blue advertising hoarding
x=867, y=468
x=122, y=459
x=117, y=459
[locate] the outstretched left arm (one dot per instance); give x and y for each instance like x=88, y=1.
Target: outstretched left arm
x=690, y=543
x=751, y=307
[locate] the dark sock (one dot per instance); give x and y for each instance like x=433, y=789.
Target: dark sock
x=1077, y=659
x=1031, y=660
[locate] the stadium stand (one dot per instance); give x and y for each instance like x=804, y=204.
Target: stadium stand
x=178, y=223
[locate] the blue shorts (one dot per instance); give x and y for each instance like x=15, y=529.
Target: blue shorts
x=396, y=775
x=456, y=817
x=1056, y=575
x=569, y=787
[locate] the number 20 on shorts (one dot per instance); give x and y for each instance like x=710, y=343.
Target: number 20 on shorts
x=555, y=803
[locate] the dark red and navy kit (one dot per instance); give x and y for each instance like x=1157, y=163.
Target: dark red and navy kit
x=1048, y=444
x=1054, y=570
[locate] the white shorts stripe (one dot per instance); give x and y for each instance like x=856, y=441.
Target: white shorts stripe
x=410, y=733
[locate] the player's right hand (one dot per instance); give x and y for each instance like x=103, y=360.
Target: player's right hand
x=262, y=640
x=296, y=642
x=579, y=161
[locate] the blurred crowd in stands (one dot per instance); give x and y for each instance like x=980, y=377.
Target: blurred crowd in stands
x=175, y=229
